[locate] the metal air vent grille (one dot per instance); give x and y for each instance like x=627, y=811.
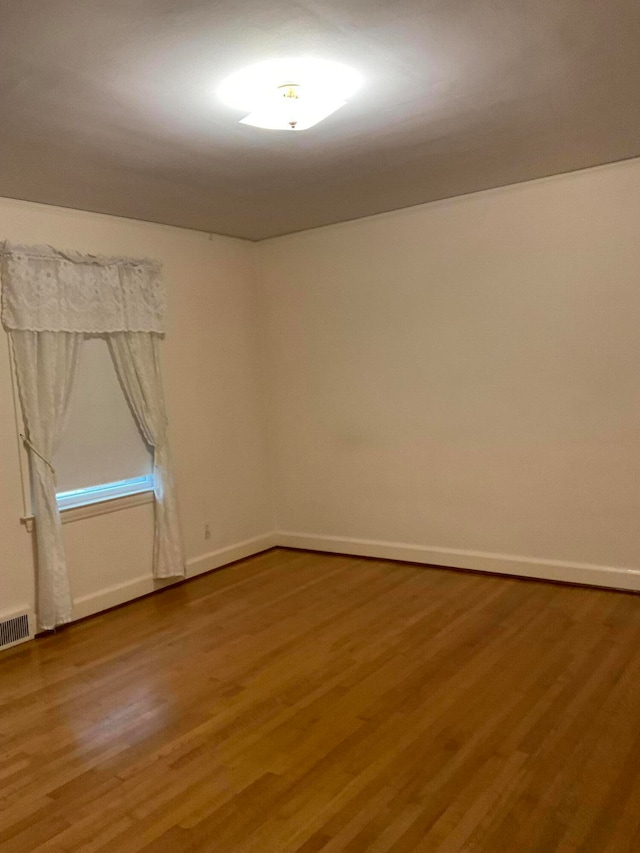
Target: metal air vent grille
x=14, y=630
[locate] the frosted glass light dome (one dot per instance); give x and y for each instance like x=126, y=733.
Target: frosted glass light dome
x=289, y=94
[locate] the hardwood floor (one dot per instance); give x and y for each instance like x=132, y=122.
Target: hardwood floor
x=306, y=702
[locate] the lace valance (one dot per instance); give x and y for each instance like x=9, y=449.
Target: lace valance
x=44, y=289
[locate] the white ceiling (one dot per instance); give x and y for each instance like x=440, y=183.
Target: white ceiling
x=109, y=105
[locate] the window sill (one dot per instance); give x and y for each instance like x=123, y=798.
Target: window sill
x=97, y=508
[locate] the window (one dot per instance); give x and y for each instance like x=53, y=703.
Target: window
x=102, y=454
x=105, y=492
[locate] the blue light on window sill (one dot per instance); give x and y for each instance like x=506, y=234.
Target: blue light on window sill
x=104, y=492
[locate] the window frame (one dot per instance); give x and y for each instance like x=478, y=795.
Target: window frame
x=88, y=509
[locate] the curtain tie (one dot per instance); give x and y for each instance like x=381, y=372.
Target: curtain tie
x=37, y=452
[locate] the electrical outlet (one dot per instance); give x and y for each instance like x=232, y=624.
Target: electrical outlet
x=207, y=532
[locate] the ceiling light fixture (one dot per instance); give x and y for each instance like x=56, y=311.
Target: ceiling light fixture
x=289, y=94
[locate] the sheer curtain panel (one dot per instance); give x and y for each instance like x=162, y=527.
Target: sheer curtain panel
x=50, y=300
x=46, y=363
x=137, y=362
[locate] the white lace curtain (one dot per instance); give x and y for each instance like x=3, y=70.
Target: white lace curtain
x=50, y=300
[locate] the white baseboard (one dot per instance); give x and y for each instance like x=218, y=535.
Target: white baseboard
x=111, y=596
x=507, y=564
x=87, y=605
x=224, y=556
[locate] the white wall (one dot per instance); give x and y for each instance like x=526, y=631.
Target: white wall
x=456, y=383
x=213, y=390
x=459, y=383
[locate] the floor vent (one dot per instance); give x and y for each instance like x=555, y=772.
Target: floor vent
x=15, y=630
